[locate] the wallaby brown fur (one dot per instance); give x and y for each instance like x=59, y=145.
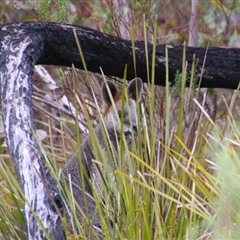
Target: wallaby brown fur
x=92, y=176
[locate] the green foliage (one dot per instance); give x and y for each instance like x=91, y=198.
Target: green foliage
x=11, y=204
x=184, y=166
x=53, y=10
x=44, y=9
x=225, y=220
x=174, y=191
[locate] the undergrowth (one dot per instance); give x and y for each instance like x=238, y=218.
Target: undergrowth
x=184, y=175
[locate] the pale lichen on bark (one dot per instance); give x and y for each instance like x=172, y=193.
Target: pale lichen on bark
x=20, y=51
x=22, y=45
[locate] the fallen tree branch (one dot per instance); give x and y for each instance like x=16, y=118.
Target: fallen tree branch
x=18, y=56
x=23, y=45
x=112, y=54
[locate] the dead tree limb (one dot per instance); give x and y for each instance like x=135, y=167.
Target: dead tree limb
x=22, y=45
x=112, y=54
x=19, y=53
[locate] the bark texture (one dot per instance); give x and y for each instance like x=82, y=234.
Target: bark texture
x=220, y=66
x=19, y=53
x=22, y=45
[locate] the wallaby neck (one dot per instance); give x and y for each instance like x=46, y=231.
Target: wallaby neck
x=104, y=137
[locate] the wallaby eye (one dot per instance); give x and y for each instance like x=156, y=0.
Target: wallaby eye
x=119, y=113
x=134, y=128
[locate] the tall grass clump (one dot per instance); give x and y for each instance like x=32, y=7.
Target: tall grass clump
x=164, y=187
x=11, y=204
x=223, y=144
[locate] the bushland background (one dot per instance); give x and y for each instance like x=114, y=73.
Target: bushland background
x=189, y=180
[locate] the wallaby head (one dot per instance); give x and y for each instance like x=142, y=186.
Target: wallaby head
x=115, y=105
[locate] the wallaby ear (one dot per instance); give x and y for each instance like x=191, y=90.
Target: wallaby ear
x=135, y=88
x=105, y=93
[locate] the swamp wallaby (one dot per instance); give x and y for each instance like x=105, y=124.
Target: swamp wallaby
x=82, y=182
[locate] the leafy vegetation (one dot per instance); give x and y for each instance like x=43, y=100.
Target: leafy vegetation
x=185, y=164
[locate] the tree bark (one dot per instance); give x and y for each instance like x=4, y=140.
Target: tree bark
x=23, y=45
x=220, y=66
x=19, y=53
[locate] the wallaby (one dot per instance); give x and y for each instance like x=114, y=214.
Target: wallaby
x=92, y=176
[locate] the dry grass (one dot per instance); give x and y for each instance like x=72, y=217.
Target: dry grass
x=185, y=167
